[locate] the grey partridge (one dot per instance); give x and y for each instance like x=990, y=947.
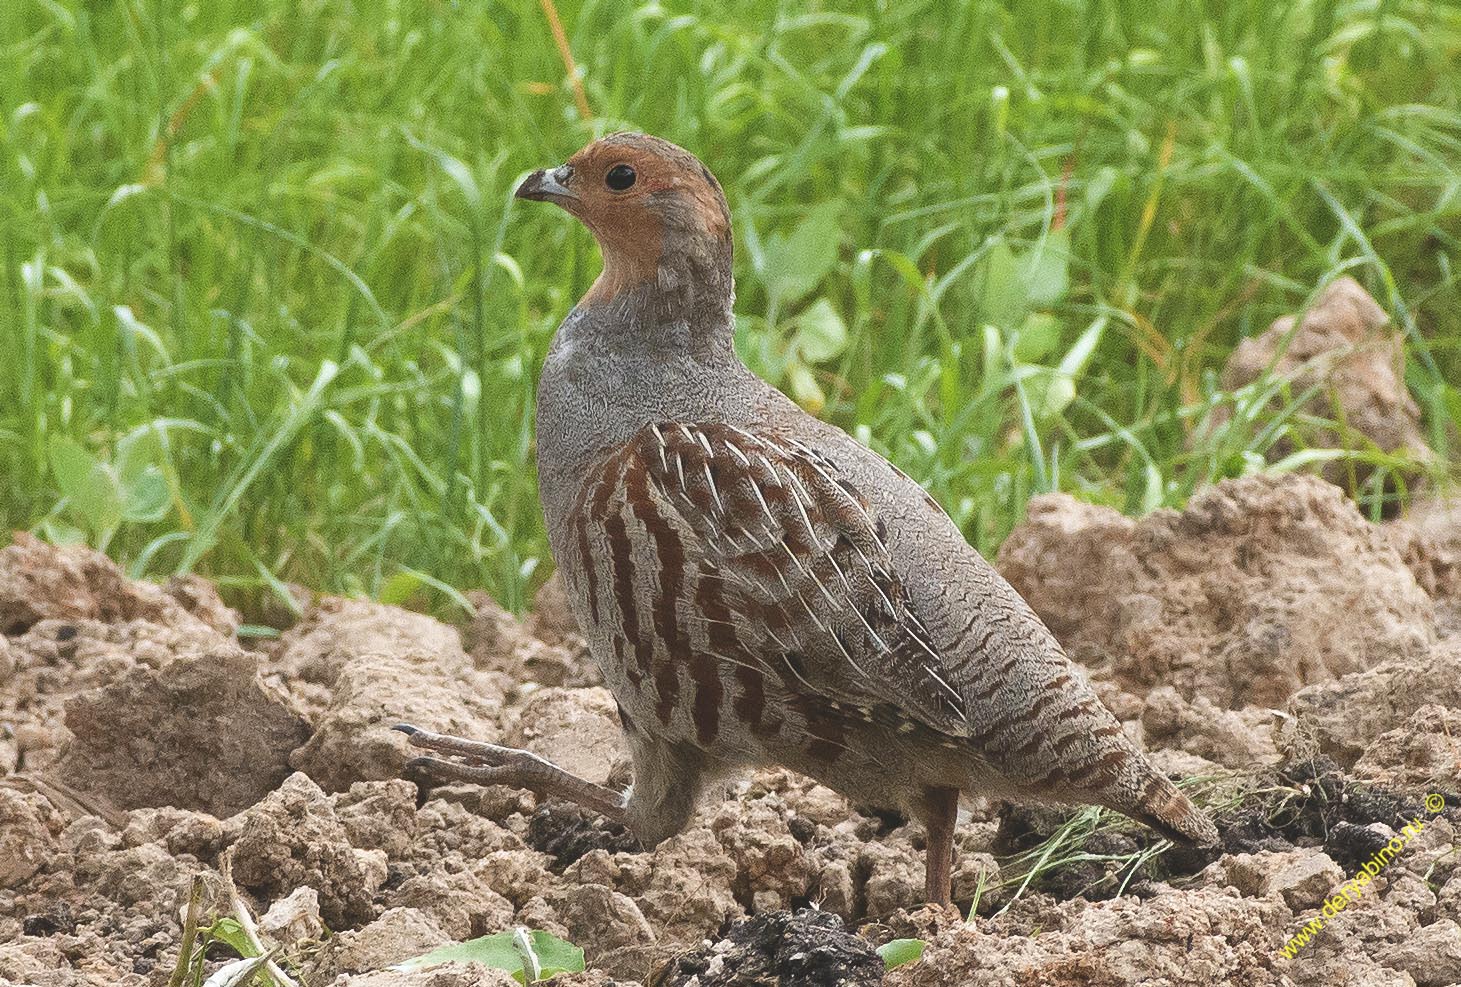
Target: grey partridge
x=759, y=588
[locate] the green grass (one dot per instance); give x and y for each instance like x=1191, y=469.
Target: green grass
x=268, y=311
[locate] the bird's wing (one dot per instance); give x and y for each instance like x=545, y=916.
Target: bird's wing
x=803, y=568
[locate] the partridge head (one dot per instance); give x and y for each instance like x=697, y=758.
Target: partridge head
x=643, y=199
x=756, y=586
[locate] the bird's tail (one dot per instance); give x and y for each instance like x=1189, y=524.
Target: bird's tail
x=1159, y=804
x=1062, y=735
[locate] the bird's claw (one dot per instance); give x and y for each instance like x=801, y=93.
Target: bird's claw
x=459, y=749
x=481, y=763
x=468, y=772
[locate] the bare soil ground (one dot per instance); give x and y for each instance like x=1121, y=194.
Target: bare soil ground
x=1301, y=662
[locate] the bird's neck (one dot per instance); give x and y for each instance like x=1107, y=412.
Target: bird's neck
x=677, y=302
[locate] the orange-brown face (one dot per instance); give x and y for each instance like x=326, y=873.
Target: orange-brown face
x=640, y=196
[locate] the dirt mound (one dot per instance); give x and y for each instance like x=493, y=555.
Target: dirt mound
x=142, y=746
x=95, y=630
x=1344, y=717
x=1423, y=753
x=200, y=732
x=1346, y=351
x=1429, y=540
x=451, y=975
x=1263, y=585
x=40, y=581
x=362, y=668
x=294, y=838
x=546, y=649
x=1232, y=738
x=29, y=827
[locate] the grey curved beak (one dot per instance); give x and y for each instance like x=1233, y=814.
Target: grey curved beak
x=547, y=186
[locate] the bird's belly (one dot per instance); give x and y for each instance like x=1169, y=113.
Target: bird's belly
x=747, y=721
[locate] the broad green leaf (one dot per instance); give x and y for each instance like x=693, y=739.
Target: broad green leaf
x=146, y=497
x=821, y=334
x=99, y=501
x=1014, y=282
x=1059, y=393
x=58, y=532
x=70, y=463
x=554, y=955
x=1038, y=335
x=231, y=934
x=795, y=264
x=1049, y=391
x=899, y=952
x=90, y=487
x=1045, y=270
x=757, y=347
x=137, y=452
x=1003, y=300
x=495, y=951
x=499, y=952
x=532, y=962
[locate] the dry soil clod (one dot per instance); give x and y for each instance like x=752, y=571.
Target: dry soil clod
x=1267, y=621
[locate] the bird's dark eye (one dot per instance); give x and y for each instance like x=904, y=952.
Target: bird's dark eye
x=620, y=177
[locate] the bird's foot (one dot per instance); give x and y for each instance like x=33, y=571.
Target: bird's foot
x=480, y=763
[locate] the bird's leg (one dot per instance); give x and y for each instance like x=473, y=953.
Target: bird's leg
x=480, y=763
x=941, y=811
